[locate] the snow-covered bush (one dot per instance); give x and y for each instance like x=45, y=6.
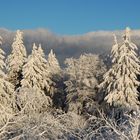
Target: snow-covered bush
x=69, y=125
x=43, y=126
x=103, y=127
x=33, y=100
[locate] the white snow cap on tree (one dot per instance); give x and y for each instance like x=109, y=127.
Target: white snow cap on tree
x=127, y=33
x=17, y=58
x=53, y=63
x=120, y=82
x=114, y=50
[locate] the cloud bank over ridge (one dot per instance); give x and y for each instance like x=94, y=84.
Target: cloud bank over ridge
x=99, y=42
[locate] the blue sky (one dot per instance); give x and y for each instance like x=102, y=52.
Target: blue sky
x=70, y=16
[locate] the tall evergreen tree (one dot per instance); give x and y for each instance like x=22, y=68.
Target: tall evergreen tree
x=16, y=60
x=43, y=65
x=57, y=77
x=6, y=90
x=120, y=82
x=35, y=71
x=35, y=78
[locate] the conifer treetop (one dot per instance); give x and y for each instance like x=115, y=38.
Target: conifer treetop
x=127, y=35
x=53, y=63
x=114, y=51
x=115, y=39
x=18, y=43
x=18, y=55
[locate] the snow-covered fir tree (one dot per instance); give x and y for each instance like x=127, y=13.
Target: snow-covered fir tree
x=46, y=73
x=16, y=60
x=32, y=75
x=120, y=82
x=36, y=78
x=6, y=91
x=83, y=78
x=109, y=75
x=57, y=86
x=35, y=71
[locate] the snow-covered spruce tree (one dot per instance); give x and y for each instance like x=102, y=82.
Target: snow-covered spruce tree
x=57, y=87
x=35, y=81
x=109, y=75
x=120, y=82
x=6, y=91
x=46, y=72
x=16, y=60
x=83, y=79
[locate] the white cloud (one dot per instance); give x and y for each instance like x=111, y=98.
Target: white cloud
x=99, y=42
